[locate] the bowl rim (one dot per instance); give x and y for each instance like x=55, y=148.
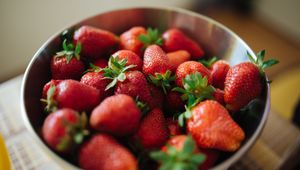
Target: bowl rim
x=65, y=164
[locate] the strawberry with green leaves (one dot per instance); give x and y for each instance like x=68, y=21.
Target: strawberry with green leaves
x=217, y=129
x=95, y=42
x=64, y=129
x=178, y=57
x=117, y=115
x=244, y=82
x=66, y=64
x=131, y=59
x=70, y=94
x=190, y=67
x=158, y=67
x=174, y=39
x=180, y=152
x=103, y=152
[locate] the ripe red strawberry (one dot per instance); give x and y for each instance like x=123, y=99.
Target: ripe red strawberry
x=63, y=129
x=71, y=94
x=157, y=66
x=211, y=157
x=117, y=115
x=135, y=85
x=157, y=97
x=174, y=39
x=174, y=101
x=173, y=127
x=178, y=57
x=153, y=131
x=96, y=79
x=217, y=130
x=190, y=67
x=219, y=71
x=47, y=86
x=131, y=58
x=95, y=42
x=180, y=152
x=66, y=64
x=102, y=63
x=244, y=82
x=130, y=41
x=102, y=152
x=219, y=96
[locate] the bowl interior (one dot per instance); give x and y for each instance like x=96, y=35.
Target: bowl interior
x=213, y=37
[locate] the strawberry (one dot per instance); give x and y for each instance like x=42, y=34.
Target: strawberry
x=95, y=42
x=153, y=132
x=180, y=152
x=138, y=38
x=173, y=127
x=135, y=85
x=158, y=67
x=157, y=97
x=95, y=78
x=174, y=101
x=71, y=94
x=219, y=71
x=131, y=58
x=244, y=82
x=217, y=130
x=63, y=129
x=47, y=86
x=117, y=115
x=178, y=57
x=218, y=95
x=211, y=157
x=174, y=39
x=66, y=64
x=103, y=152
x=101, y=62
x=129, y=40
x=190, y=67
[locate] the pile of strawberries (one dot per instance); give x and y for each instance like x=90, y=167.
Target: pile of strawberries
x=143, y=100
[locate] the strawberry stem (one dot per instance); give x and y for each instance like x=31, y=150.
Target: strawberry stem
x=152, y=36
x=162, y=80
x=69, y=51
x=208, y=62
x=51, y=104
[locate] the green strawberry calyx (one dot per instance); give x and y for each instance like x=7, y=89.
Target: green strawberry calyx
x=152, y=36
x=185, y=158
x=69, y=51
x=75, y=132
x=162, y=80
x=260, y=63
x=115, y=71
x=142, y=106
x=51, y=104
x=93, y=68
x=195, y=89
x=208, y=62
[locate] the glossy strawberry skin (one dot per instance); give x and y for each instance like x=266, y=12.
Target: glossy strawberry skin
x=48, y=85
x=135, y=85
x=60, y=69
x=178, y=57
x=157, y=97
x=190, y=67
x=174, y=39
x=103, y=152
x=117, y=115
x=129, y=40
x=242, y=84
x=177, y=142
x=95, y=79
x=219, y=71
x=95, y=42
x=155, y=61
x=131, y=57
x=217, y=130
x=219, y=96
x=55, y=129
x=75, y=95
x=153, y=131
x=102, y=63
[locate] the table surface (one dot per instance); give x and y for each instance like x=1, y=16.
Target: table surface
x=270, y=151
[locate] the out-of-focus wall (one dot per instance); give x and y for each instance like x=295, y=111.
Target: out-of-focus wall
x=26, y=24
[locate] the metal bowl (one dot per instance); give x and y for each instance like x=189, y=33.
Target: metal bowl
x=216, y=39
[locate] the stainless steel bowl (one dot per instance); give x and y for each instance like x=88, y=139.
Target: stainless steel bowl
x=215, y=38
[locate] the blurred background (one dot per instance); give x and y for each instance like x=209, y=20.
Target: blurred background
x=273, y=25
